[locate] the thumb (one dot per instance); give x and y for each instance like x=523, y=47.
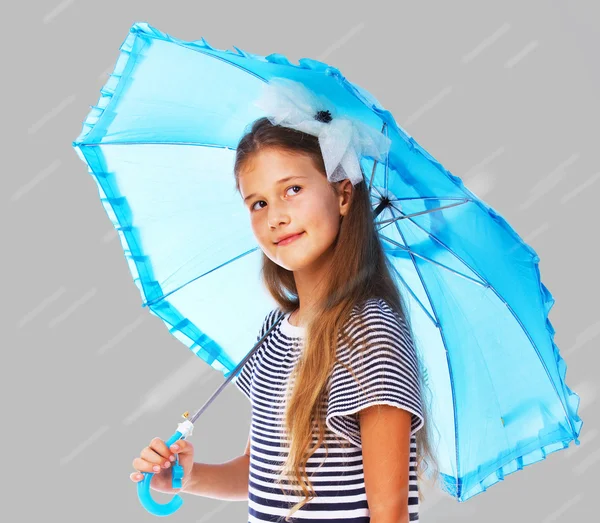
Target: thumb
x=182, y=447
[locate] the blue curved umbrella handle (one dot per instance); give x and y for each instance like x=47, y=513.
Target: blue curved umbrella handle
x=143, y=486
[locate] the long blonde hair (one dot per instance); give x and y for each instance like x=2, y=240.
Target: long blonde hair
x=358, y=271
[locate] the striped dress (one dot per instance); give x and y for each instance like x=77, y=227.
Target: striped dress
x=387, y=375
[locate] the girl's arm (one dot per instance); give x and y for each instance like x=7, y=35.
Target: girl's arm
x=227, y=481
x=385, y=438
x=224, y=481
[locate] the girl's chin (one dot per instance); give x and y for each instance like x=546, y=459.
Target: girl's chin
x=292, y=263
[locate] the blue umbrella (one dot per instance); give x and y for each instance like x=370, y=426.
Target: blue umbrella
x=160, y=144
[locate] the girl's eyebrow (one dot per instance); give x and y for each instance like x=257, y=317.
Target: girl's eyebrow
x=277, y=183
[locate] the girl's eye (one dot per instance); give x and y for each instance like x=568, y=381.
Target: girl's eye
x=294, y=186
x=258, y=201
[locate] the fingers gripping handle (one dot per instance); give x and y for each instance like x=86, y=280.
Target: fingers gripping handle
x=157, y=509
x=143, y=487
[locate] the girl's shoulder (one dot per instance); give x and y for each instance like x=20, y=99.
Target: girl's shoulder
x=374, y=321
x=376, y=308
x=271, y=317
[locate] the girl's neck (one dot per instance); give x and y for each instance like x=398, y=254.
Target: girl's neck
x=294, y=316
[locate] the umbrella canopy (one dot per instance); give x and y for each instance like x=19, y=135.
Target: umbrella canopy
x=160, y=144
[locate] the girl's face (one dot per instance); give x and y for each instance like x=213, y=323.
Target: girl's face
x=303, y=204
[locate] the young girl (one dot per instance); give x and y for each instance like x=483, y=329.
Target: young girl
x=339, y=426
x=338, y=420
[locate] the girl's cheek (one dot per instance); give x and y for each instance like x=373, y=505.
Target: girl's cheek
x=257, y=225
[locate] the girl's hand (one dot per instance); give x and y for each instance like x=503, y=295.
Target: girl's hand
x=157, y=454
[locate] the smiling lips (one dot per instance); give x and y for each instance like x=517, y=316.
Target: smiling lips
x=290, y=239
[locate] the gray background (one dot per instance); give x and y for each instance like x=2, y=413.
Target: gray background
x=503, y=94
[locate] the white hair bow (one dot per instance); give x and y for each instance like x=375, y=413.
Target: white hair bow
x=342, y=140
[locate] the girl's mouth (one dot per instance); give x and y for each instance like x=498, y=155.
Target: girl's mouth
x=290, y=239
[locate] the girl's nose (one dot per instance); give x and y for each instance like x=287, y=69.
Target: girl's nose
x=277, y=218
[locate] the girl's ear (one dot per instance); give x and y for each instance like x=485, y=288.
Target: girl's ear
x=344, y=196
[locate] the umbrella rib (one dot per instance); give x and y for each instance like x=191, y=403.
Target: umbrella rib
x=160, y=298
x=442, y=243
x=484, y=280
x=425, y=311
x=210, y=55
x=233, y=64
x=98, y=144
x=375, y=162
x=403, y=216
x=486, y=284
x=430, y=198
x=441, y=331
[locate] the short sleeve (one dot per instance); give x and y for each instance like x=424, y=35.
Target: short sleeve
x=243, y=380
x=383, y=358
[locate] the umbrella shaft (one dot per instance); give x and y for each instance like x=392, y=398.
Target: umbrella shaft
x=233, y=374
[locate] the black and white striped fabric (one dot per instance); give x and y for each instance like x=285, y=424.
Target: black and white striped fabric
x=387, y=374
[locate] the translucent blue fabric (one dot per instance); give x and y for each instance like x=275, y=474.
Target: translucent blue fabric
x=160, y=144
